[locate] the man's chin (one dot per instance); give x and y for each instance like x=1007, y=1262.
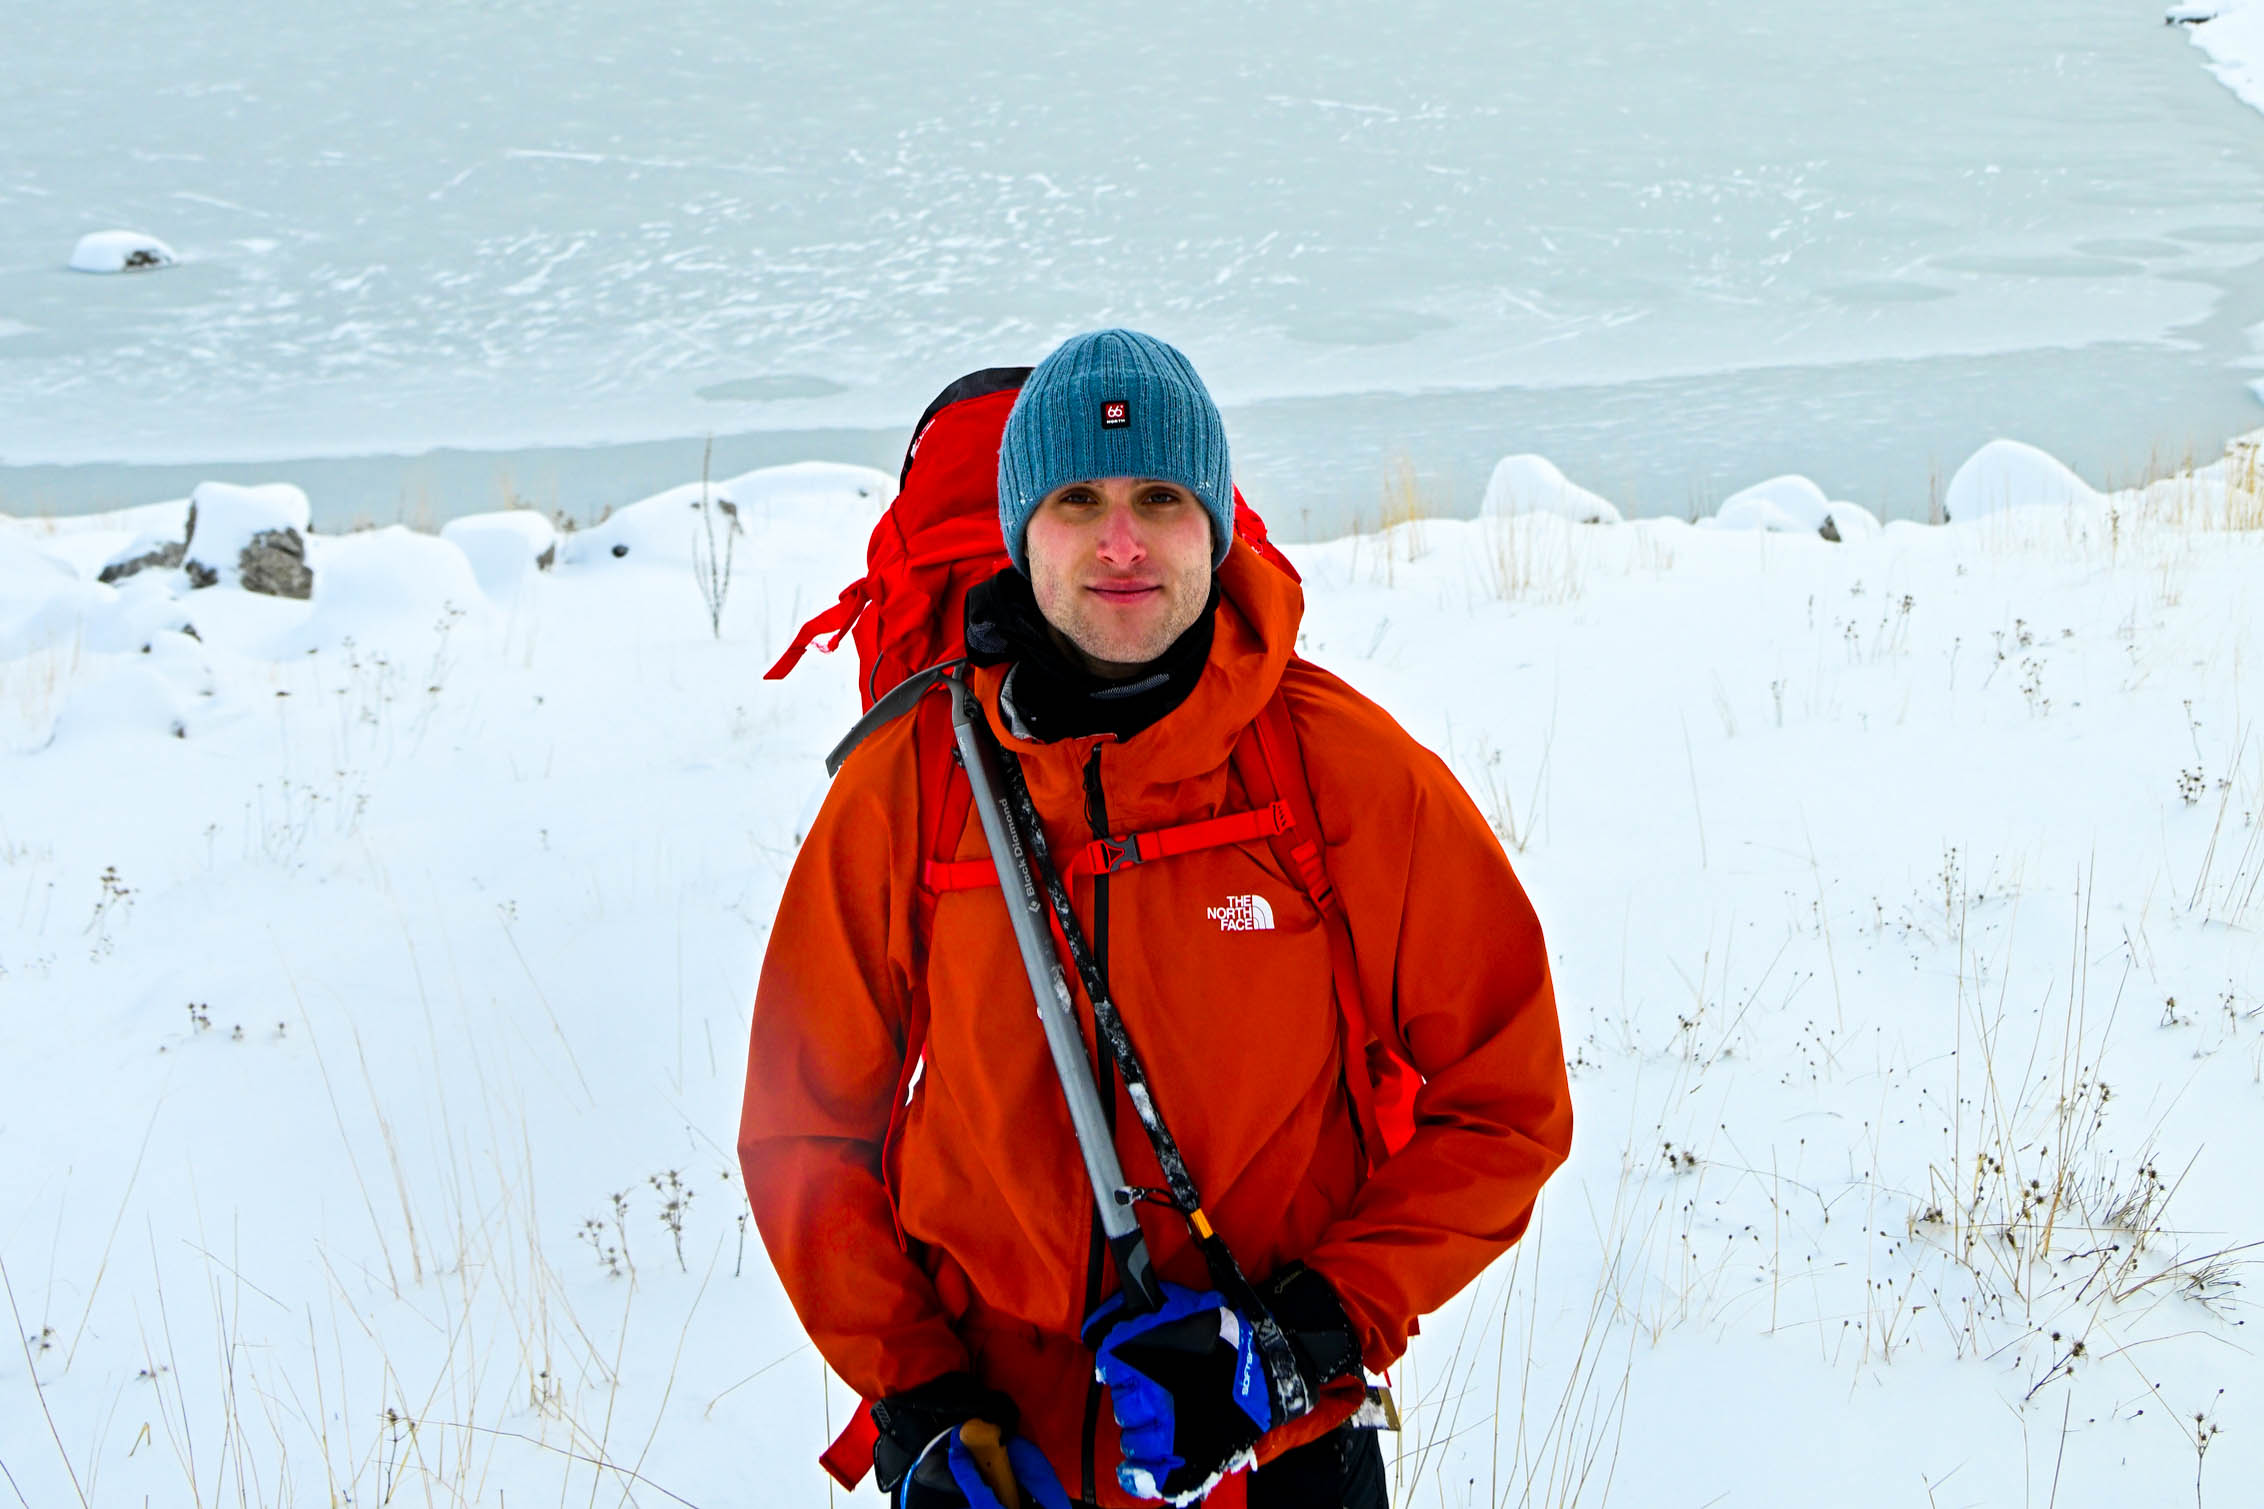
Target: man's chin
x=1118, y=654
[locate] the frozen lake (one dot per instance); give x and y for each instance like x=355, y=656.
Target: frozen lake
x=1675, y=246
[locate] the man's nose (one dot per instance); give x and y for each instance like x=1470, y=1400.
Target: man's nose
x=1121, y=542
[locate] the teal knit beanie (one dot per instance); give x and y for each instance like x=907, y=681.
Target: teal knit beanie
x=1113, y=403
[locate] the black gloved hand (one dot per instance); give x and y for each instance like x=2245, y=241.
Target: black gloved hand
x=910, y=1422
x=1313, y=1318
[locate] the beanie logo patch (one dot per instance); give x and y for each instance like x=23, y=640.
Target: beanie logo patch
x=1116, y=414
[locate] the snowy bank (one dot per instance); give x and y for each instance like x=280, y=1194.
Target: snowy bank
x=375, y=972
x=2232, y=34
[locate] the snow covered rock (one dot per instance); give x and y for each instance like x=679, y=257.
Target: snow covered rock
x=504, y=548
x=2006, y=474
x=120, y=251
x=1845, y=523
x=149, y=552
x=1790, y=504
x=40, y=597
x=382, y=581
x=249, y=537
x=1532, y=484
x=661, y=530
x=132, y=699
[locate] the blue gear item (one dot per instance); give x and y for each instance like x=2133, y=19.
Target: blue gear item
x=946, y=1477
x=1188, y=1390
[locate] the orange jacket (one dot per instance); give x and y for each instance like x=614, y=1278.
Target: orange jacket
x=1237, y=1028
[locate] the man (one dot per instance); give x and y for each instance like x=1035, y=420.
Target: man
x=958, y=1275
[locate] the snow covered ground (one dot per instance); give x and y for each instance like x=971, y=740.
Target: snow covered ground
x=374, y=970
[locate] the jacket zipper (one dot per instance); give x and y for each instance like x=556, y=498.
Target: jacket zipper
x=1104, y=1079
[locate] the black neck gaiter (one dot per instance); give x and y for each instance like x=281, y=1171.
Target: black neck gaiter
x=1050, y=693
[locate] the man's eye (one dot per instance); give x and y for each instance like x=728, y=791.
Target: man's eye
x=1164, y=497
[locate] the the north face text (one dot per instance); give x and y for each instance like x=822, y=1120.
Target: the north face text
x=1243, y=914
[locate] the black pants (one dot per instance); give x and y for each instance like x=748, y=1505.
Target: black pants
x=1342, y=1470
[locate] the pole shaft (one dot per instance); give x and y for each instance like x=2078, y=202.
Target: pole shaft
x=1057, y=1011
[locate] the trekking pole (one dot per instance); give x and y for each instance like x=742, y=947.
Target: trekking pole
x=1026, y=908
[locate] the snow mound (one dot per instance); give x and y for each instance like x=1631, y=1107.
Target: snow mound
x=372, y=585
x=224, y=520
x=1790, y=504
x=133, y=699
x=504, y=548
x=820, y=485
x=120, y=251
x=661, y=530
x=1846, y=523
x=25, y=568
x=2006, y=474
x=1532, y=484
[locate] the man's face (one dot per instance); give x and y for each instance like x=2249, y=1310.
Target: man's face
x=1121, y=567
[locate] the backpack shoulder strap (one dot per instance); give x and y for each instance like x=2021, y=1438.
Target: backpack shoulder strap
x=887, y=710
x=1381, y=1083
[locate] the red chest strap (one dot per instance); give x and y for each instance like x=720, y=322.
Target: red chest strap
x=1106, y=856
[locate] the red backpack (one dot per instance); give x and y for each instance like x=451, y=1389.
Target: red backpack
x=938, y=539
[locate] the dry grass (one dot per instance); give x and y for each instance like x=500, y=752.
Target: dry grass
x=1531, y=558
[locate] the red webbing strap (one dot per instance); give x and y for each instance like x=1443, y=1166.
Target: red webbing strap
x=944, y=793
x=837, y=620
x=1278, y=775
x=850, y=1456
x=940, y=875
x=1105, y=856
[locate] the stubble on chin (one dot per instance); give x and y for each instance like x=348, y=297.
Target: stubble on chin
x=1085, y=624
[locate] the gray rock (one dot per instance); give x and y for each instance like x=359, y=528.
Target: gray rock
x=164, y=558
x=275, y=562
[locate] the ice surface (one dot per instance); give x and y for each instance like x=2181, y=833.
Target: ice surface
x=810, y=221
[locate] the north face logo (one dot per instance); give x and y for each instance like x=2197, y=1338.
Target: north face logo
x=1243, y=914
